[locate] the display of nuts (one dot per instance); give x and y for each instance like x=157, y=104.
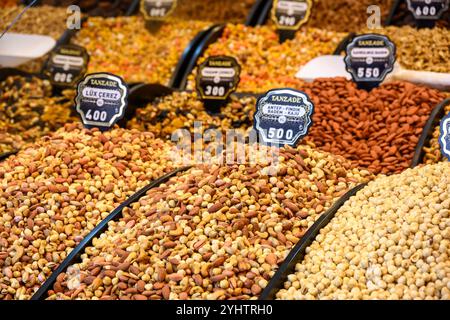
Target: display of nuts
x=53, y=192
x=28, y=109
x=389, y=241
x=191, y=239
x=213, y=10
x=345, y=15
x=123, y=46
x=420, y=49
x=265, y=63
x=181, y=109
x=378, y=130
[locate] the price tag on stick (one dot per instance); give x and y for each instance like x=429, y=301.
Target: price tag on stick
x=101, y=100
x=66, y=65
x=290, y=15
x=283, y=116
x=369, y=58
x=444, y=136
x=157, y=10
x=217, y=78
x=427, y=11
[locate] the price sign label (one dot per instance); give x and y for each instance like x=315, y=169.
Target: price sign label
x=66, y=65
x=369, y=58
x=101, y=100
x=427, y=9
x=157, y=9
x=283, y=116
x=291, y=14
x=217, y=77
x=444, y=136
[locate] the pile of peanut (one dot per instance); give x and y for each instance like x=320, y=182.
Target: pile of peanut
x=389, y=241
x=181, y=109
x=378, y=130
x=28, y=108
x=265, y=63
x=123, y=46
x=214, y=232
x=55, y=191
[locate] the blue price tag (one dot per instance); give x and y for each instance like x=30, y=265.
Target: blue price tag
x=283, y=116
x=101, y=100
x=444, y=136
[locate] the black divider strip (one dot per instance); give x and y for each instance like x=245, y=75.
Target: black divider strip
x=183, y=64
x=139, y=96
x=255, y=13
x=134, y=8
x=343, y=44
x=427, y=134
x=5, y=155
x=390, y=18
x=70, y=33
x=264, y=13
x=75, y=254
x=297, y=254
x=213, y=33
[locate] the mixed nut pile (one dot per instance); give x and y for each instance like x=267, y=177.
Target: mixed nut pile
x=125, y=47
x=28, y=108
x=105, y=8
x=56, y=190
x=267, y=64
x=420, y=49
x=213, y=10
x=181, y=109
x=214, y=232
x=389, y=241
x=345, y=15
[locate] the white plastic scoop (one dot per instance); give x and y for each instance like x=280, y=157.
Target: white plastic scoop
x=334, y=66
x=16, y=48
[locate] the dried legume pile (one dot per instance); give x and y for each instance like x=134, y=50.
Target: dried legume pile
x=390, y=241
x=378, y=130
x=344, y=15
x=215, y=232
x=28, y=109
x=432, y=151
x=213, y=10
x=55, y=191
x=125, y=47
x=181, y=109
x=421, y=49
x=266, y=63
